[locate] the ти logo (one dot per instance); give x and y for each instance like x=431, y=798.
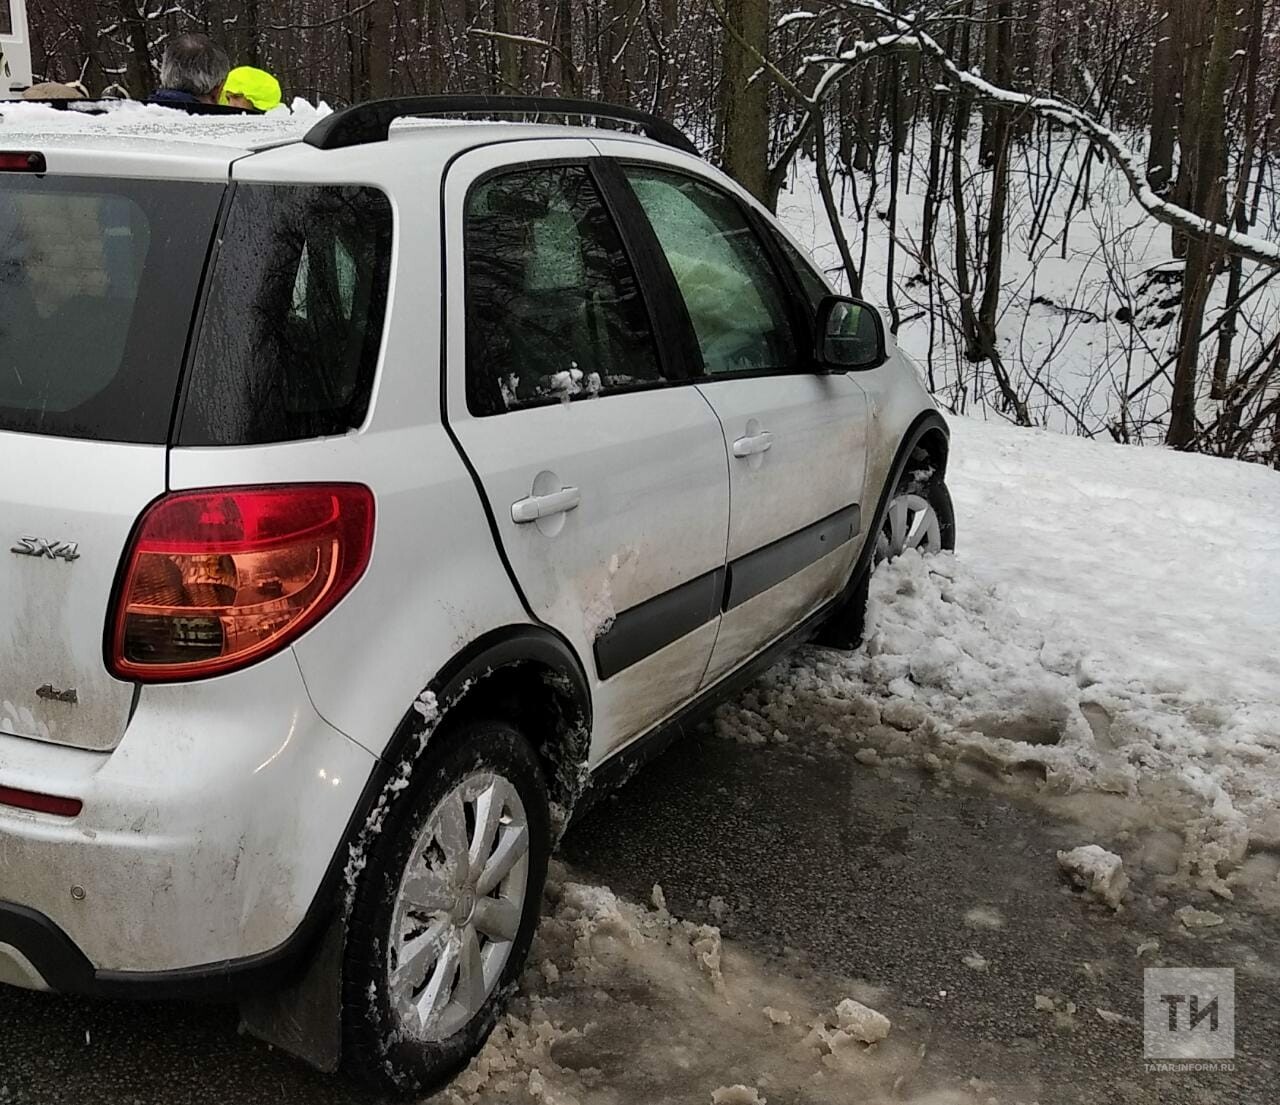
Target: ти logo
x=1189, y=1013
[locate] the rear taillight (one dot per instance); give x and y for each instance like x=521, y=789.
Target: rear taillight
x=22, y=162
x=40, y=803
x=217, y=579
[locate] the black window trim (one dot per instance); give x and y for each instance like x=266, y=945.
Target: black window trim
x=654, y=294
x=788, y=282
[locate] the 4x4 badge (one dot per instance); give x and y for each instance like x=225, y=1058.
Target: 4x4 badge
x=54, y=550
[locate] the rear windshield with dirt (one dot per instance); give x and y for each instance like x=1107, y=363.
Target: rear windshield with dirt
x=98, y=281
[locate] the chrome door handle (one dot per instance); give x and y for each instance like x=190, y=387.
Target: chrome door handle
x=750, y=446
x=544, y=506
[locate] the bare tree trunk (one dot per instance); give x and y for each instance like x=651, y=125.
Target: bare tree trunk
x=744, y=105
x=1208, y=201
x=507, y=74
x=1164, y=98
x=1240, y=217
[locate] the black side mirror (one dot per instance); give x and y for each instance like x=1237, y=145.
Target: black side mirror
x=849, y=334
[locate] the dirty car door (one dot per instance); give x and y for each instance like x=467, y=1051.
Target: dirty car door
x=605, y=473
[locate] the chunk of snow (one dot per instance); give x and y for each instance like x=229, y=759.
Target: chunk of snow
x=737, y=1095
x=1193, y=918
x=1096, y=871
x=861, y=1022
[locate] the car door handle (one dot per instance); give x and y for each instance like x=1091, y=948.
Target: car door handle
x=750, y=446
x=544, y=506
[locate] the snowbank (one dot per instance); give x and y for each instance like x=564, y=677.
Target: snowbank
x=1107, y=625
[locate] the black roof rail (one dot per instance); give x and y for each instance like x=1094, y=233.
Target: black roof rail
x=371, y=121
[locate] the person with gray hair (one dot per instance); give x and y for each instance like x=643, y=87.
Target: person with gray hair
x=193, y=71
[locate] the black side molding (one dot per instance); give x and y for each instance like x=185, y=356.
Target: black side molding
x=657, y=622
x=765, y=567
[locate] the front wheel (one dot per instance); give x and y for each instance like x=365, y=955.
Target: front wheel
x=445, y=909
x=919, y=516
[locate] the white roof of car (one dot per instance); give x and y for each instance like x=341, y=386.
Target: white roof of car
x=134, y=137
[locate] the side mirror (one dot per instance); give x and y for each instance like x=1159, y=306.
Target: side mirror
x=849, y=334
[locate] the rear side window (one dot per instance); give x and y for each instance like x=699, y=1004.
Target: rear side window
x=293, y=318
x=98, y=282
x=6, y=26
x=554, y=309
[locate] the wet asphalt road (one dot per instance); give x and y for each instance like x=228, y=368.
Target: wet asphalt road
x=863, y=872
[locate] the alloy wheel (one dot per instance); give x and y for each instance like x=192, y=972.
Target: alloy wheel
x=458, y=908
x=911, y=522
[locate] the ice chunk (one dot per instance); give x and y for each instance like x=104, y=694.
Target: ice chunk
x=1097, y=871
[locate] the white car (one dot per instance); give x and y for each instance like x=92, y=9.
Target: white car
x=373, y=499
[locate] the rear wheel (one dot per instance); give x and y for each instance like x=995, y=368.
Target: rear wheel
x=445, y=910
x=920, y=516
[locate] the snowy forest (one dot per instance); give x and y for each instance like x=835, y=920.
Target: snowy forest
x=1067, y=211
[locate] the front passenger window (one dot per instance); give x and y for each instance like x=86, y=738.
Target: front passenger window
x=554, y=309
x=735, y=301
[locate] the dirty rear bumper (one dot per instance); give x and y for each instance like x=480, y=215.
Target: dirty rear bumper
x=206, y=857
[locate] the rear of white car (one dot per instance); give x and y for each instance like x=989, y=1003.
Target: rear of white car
x=170, y=799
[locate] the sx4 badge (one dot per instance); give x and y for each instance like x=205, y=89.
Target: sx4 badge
x=54, y=550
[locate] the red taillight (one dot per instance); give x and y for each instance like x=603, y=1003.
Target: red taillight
x=40, y=803
x=217, y=579
x=21, y=162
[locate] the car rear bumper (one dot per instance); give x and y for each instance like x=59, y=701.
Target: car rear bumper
x=205, y=851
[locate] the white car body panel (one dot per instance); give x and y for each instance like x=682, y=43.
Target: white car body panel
x=77, y=499
x=812, y=470
x=205, y=834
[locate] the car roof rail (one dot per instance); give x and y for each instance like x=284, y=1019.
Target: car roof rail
x=371, y=121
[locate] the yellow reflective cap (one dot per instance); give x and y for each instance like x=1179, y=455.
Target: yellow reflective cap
x=257, y=86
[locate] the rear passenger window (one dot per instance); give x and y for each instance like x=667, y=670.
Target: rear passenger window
x=554, y=309
x=294, y=316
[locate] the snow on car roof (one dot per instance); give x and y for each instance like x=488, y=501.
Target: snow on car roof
x=135, y=122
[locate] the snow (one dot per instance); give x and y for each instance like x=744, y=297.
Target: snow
x=860, y=1022
x=128, y=119
x=1105, y=628
x=620, y=1008
x=1096, y=871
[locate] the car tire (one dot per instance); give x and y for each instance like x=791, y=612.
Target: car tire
x=429, y=966
x=920, y=515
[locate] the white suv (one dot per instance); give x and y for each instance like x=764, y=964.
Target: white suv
x=373, y=497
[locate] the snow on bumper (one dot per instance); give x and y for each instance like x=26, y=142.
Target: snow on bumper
x=204, y=836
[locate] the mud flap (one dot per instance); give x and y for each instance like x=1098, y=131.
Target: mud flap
x=304, y=1018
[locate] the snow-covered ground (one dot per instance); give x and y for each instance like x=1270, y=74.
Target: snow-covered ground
x=1107, y=625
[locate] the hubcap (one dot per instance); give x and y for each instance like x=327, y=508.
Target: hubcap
x=459, y=907
x=911, y=523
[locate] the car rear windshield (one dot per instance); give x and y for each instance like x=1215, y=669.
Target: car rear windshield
x=98, y=281
x=293, y=317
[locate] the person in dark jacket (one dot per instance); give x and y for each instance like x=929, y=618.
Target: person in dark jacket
x=193, y=71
